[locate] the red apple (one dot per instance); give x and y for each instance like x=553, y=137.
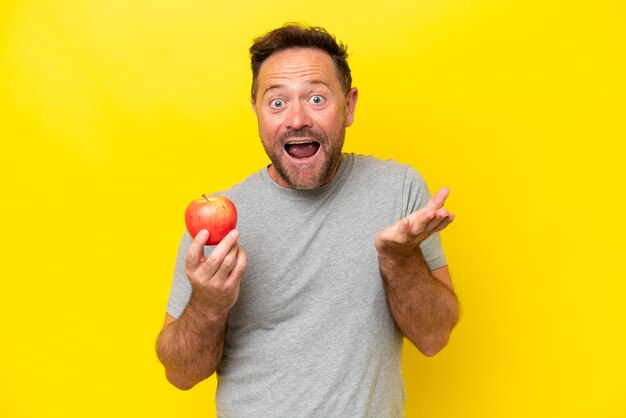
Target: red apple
x=216, y=214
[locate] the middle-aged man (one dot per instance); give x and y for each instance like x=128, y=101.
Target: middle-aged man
x=342, y=259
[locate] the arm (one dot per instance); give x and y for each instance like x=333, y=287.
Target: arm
x=423, y=303
x=191, y=347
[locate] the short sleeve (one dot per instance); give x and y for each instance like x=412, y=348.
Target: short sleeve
x=180, y=291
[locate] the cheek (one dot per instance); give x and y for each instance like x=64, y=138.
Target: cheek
x=264, y=123
x=268, y=128
x=332, y=123
x=331, y=117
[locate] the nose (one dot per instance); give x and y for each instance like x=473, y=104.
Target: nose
x=298, y=117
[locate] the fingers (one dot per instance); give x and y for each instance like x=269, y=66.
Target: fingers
x=238, y=269
x=227, y=248
x=215, y=278
x=427, y=218
x=444, y=223
x=226, y=266
x=420, y=220
x=440, y=220
x=195, y=252
x=419, y=225
x=438, y=199
x=429, y=222
x=200, y=268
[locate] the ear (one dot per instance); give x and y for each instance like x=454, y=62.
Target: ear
x=253, y=103
x=351, y=99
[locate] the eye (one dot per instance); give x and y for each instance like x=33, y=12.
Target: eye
x=317, y=99
x=276, y=103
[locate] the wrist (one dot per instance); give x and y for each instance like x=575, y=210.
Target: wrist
x=395, y=258
x=396, y=264
x=203, y=308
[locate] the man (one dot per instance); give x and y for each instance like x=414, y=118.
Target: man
x=342, y=259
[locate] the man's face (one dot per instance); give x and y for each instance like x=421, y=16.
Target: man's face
x=302, y=114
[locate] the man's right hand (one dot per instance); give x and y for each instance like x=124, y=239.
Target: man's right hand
x=215, y=278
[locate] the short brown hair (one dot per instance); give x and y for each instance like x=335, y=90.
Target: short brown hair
x=294, y=35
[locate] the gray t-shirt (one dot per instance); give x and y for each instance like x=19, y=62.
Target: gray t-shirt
x=311, y=334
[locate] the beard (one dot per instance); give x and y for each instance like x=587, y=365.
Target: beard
x=309, y=176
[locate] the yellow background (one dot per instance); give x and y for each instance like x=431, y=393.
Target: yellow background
x=115, y=114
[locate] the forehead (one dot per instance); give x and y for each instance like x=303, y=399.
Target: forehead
x=298, y=64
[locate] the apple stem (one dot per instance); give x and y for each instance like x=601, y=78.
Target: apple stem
x=205, y=197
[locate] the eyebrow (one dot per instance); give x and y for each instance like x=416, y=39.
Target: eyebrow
x=280, y=86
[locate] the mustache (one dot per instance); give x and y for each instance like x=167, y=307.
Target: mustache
x=302, y=133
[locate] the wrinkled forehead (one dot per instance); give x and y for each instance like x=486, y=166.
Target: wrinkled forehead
x=299, y=64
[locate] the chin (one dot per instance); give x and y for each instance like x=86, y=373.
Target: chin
x=310, y=177
x=305, y=180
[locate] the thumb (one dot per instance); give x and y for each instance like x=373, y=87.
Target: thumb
x=401, y=232
x=195, y=252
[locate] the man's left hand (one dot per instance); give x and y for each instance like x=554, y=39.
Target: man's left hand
x=404, y=237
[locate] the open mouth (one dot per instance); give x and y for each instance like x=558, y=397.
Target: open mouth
x=302, y=149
